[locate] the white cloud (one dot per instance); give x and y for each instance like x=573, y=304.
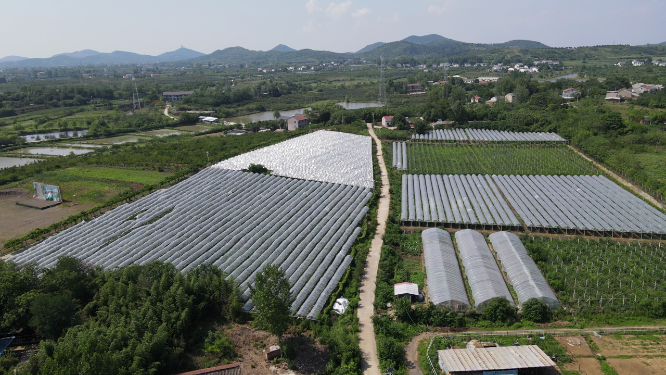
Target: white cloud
x=436, y=9
x=312, y=7
x=361, y=12
x=309, y=27
x=337, y=10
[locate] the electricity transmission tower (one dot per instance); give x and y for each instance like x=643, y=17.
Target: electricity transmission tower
x=382, y=85
x=135, y=95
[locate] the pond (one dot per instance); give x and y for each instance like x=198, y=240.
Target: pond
x=161, y=133
x=54, y=151
x=117, y=140
x=15, y=162
x=262, y=116
x=53, y=135
x=349, y=105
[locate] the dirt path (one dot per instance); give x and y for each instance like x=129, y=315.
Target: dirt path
x=368, y=345
x=412, y=355
x=166, y=112
x=626, y=183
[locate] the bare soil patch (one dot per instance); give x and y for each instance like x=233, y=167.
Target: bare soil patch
x=311, y=357
x=643, y=366
x=575, y=345
x=17, y=221
x=630, y=345
x=586, y=366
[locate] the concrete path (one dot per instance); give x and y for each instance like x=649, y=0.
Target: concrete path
x=368, y=345
x=412, y=354
x=166, y=112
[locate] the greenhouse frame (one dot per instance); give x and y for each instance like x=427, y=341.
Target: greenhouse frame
x=236, y=221
x=484, y=135
x=523, y=274
x=446, y=287
x=483, y=275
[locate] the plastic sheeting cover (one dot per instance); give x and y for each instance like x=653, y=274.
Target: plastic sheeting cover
x=484, y=277
x=522, y=272
x=445, y=282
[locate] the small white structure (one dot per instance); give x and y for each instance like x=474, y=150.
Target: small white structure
x=386, y=121
x=403, y=289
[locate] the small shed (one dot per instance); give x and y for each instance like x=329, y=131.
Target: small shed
x=406, y=289
x=499, y=360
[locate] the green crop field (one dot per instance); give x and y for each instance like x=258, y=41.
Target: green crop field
x=118, y=174
x=603, y=276
x=523, y=159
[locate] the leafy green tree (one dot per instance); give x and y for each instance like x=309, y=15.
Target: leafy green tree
x=52, y=314
x=499, y=310
x=276, y=114
x=258, y=168
x=535, y=310
x=399, y=122
x=420, y=126
x=459, y=114
x=272, y=300
x=522, y=94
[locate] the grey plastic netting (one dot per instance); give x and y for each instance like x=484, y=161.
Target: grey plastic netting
x=522, y=272
x=484, y=277
x=445, y=283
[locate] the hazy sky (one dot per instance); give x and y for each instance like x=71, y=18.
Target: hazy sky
x=42, y=28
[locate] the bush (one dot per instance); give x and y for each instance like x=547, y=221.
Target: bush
x=499, y=310
x=535, y=310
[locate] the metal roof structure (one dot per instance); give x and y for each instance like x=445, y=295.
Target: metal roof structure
x=455, y=361
x=405, y=288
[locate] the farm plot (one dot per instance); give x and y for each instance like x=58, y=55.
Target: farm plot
x=455, y=199
x=603, y=276
x=512, y=159
x=328, y=156
x=483, y=135
x=236, y=221
x=585, y=203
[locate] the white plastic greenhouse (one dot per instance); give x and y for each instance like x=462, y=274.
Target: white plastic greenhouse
x=445, y=283
x=236, y=221
x=523, y=274
x=483, y=276
x=484, y=135
x=326, y=156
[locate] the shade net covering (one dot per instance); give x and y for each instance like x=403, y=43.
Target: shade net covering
x=591, y=203
x=483, y=275
x=459, y=199
x=523, y=274
x=445, y=283
x=236, y=221
x=325, y=156
x=484, y=135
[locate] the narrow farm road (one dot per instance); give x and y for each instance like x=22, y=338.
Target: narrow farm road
x=367, y=343
x=166, y=112
x=412, y=354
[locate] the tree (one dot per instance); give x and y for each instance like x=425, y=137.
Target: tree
x=420, y=126
x=258, y=168
x=535, y=310
x=52, y=314
x=399, y=122
x=499, y=310
x=276, y=114
x=522, y=94
x=459, y=114
x=272, y=300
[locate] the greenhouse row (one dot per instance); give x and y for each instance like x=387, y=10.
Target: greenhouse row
x=455, y=199
x=586, y=203
x=236, y=221
x=400, y=155
x=326, y=156
x=483, y=135
x=523, y=274
x=445, y=283
x=483, y=275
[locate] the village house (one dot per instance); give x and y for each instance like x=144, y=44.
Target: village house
x=175, y=96
x=570, y=93
x=296, y=122
x=386, y=121
x=475, y=99
x=509, y=97
x=413, y=87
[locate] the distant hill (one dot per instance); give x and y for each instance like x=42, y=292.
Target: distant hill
x=521, y=44
x=283, y=48
x=12, y=59
x=426, y=39
x=94, y=57
x=370, y=47
x=235, y=55
x=181, y=53
x=653, y=44
x=79, y=54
